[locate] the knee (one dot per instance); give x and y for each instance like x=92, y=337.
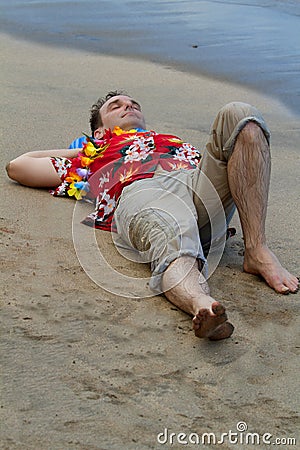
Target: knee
x=252, y=134
x=235, y=106
x=152, y=228
x=246, y=119
x=236, y=111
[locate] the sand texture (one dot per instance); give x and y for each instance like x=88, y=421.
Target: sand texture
x=83, y=368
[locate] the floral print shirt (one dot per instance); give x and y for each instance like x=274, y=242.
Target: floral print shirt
x=103, y=168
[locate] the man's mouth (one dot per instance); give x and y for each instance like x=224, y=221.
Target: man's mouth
x=128, y=112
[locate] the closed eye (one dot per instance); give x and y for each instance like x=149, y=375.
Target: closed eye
x=113, y=105
x=118, y=104
x=136, y=106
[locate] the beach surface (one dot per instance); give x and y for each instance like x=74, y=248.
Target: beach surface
x=84, y=368
x=255, y=43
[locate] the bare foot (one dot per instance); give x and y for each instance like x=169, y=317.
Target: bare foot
x=261, y=261
x=212, y=323
x=191, y=294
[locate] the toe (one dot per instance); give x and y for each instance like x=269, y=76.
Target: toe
x=294, y=285
x=199, y=318
x=282, y=289
x=288, y=285
x=219, y=310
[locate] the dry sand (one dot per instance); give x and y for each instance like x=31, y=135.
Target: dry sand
x=85, y=369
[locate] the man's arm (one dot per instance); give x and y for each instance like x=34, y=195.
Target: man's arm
x=35, y=169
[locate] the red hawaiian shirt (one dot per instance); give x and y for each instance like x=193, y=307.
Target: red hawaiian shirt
x=119, y=158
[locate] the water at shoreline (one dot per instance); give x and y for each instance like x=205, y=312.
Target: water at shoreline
x=255, y=44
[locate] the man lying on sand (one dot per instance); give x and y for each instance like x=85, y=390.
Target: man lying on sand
x=166, y=201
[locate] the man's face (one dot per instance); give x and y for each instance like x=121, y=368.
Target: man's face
x=121, y=111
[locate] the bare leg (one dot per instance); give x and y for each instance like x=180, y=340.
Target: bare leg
x=209, y=319
x=249, y=176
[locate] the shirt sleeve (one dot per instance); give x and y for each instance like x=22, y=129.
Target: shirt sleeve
x=78, y=143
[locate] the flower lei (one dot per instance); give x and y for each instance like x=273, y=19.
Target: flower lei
x=78, y=176
x=92, y=149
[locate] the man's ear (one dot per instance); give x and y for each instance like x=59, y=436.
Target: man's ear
x=98, y=134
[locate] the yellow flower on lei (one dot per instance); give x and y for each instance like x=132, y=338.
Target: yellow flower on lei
x=118, y=131
x=74, y=191
x=90, y=149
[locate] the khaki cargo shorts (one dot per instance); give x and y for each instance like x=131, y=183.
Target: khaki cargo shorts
x=185, y=212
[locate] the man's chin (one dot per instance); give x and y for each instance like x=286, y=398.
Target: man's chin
x=132, y=125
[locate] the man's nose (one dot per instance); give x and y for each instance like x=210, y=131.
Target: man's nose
x=128, y=105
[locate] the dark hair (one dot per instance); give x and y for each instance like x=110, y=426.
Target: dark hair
x=95, y=116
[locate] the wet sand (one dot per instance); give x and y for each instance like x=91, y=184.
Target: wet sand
x=86, y=369
x=208, y=37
